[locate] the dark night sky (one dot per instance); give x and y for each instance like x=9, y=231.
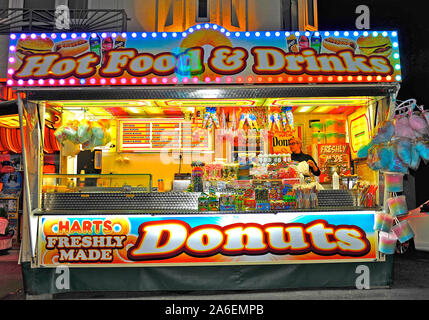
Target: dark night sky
x=409, y=18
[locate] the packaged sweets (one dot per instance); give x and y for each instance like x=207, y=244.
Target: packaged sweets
x=226, y=202
x=197, y=175
x=203, y=202
x=213, y=201
x=239, y=200
x=261, y=197
x=249, y=199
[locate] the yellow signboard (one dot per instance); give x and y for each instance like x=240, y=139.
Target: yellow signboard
x=359, y=131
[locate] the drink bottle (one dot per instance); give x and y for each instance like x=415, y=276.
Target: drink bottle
x=316, y=42
x=106, y=45
x=304, y=43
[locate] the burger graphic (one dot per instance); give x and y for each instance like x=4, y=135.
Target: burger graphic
x=375, y=46
x=30, y=46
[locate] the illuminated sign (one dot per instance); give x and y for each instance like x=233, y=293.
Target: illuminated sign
x=157, y=135
x=207, y=240
x=359, y=129
x=202, y=54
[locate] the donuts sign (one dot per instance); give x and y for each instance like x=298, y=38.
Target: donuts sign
x=203, y=54
x=210, y=239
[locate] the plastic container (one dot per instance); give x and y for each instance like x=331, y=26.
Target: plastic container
x=317, y=126
x=161, y=185
x=383, y=222
x=335, y=181
x=387, y=242
x=393, y=181
x=332, y=137
x=318, y=137
x=331, y=126
x=403, y=231
x=397, y=205
x=341, y=126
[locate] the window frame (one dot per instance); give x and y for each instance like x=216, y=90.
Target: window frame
x=197, y=9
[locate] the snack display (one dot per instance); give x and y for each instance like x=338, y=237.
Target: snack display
x=397, y=205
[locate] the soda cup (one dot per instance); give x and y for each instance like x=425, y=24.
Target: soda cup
x=106, y=46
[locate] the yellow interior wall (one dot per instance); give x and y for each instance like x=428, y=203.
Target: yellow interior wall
x=135, y=163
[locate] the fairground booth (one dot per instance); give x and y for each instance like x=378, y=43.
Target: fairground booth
x=177, y=166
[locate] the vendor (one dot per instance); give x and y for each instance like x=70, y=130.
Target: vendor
x=295, y=145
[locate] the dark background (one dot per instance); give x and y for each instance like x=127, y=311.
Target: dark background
x=411, y=20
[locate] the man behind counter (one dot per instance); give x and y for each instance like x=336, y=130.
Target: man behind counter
x=295, y=145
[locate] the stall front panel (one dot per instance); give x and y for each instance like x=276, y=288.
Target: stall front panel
x=212, y=239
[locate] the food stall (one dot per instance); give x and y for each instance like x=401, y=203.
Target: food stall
x=175, y=170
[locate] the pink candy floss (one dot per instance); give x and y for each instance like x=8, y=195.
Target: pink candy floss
x=397, y=205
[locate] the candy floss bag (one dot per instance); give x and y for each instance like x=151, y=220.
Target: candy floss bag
x=419, y=123
x=402, y=121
